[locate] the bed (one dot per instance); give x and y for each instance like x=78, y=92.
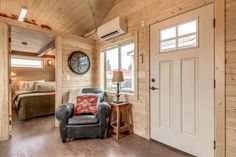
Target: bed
x=34, y=103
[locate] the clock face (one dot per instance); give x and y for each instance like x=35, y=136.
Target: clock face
x=79, y=62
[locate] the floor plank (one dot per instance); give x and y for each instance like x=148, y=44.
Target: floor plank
x=39, y=138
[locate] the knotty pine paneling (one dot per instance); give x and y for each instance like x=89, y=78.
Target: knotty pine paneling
x=71, y=80
x=148, y=12
x=230, y=78
x=4, y=83
x=71, y=16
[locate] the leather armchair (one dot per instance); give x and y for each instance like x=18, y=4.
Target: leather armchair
x=84, y=125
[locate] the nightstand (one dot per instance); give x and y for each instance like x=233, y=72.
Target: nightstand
x=117, y=126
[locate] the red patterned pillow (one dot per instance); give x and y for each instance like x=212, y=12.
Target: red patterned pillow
x=86, y=104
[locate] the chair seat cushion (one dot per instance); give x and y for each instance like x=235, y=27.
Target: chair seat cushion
x=83, y=119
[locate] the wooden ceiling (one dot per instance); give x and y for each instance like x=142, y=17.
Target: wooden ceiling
x=71, y=16
x=29, y=41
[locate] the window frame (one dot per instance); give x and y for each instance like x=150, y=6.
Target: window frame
x=177, y=37
x=27, y=58
x=110, y=47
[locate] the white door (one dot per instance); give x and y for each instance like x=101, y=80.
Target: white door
x=182, y=77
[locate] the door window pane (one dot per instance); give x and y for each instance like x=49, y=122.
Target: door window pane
x=127, y=66
x=111, y=65
x=168, y=33
x=168, y=45
x=188, y=41
x=187, y=28
x=186, y=37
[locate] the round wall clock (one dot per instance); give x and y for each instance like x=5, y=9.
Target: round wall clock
x=79, y=62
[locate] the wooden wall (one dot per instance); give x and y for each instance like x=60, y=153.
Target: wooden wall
x=4, y=82
x=147, y=12
x=71, y=80
x=47, y=73
x=230, y=78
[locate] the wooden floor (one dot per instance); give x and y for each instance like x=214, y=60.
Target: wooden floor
x=39, y=138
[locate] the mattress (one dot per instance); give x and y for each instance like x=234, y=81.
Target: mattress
x=34, y=104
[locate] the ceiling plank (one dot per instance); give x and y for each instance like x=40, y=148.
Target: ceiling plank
x=46, y=49
x=76, y=17
x=25, y=40
x=28, y=54
x=19, y=53
x=93, y=13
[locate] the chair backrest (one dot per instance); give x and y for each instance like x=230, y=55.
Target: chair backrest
x=94, y=91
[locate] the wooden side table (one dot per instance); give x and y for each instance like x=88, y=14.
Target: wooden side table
x=117, y=126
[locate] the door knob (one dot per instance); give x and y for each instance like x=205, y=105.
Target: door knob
x=154, y=88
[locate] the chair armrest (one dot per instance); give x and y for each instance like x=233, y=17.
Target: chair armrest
x=64, y=111
x=103, y=111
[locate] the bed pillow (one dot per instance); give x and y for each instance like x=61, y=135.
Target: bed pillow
x=45, y=86
x=86, y=103
x=26, y=85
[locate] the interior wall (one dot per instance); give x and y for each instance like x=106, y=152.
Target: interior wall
x=71, y=80
x=140, y=14
x=46, y=73
x=4, y=82
x=230, y=78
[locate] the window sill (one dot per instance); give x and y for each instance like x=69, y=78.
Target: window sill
x=122, y=93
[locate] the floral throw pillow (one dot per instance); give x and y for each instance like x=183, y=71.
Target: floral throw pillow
x=86, y=104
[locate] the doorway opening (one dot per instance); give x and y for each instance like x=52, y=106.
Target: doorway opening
x=32, y=77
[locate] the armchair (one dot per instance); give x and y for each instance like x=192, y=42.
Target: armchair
x=83, y=125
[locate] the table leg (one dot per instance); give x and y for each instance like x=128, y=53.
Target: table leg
x=118, y=123
x=131, y=118
x=128, y=120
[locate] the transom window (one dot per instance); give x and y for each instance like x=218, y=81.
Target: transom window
x=27, y=62
x=180, y=36
x=119, y=57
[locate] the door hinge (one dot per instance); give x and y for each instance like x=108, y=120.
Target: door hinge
x=214, y=83
x=9, y=40
x=214, y=23
x=9, y=122
x=214, y=144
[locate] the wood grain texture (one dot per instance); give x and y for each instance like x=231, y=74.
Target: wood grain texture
x=39, y=138
x=230, y=78
x=58, y=72
x=147, y=12
x=36, y=41
x=71, y=16
x=4, y=82
x=220, y=133
x=71, y=80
